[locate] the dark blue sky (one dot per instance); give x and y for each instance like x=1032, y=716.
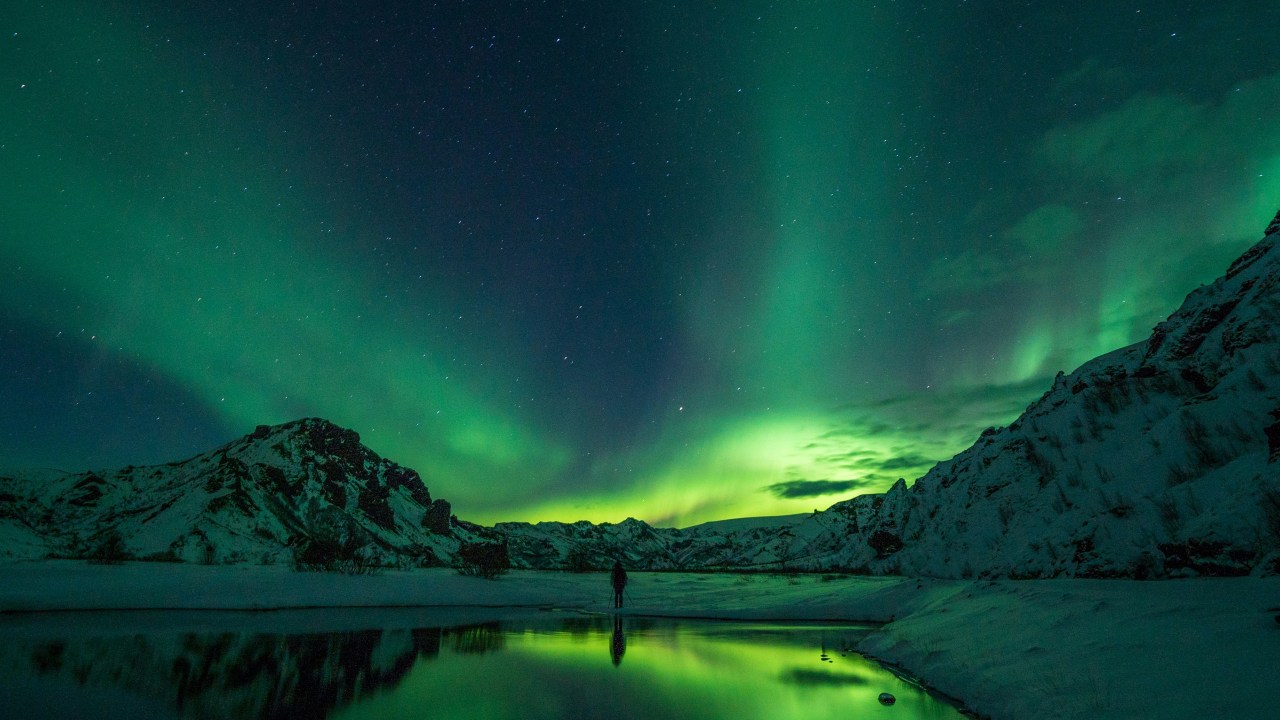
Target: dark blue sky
x=574, y=260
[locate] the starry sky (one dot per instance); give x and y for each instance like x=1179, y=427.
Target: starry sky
x=574, y=260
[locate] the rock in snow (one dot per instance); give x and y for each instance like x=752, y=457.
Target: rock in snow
x=1159, y=459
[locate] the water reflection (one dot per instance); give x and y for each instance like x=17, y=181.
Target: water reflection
x=618, y=643
x=549, y=667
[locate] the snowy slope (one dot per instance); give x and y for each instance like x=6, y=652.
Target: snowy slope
x=1157, y=459
x=261, y=499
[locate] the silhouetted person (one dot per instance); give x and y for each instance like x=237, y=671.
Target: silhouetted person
x=618, y=646
x=619, y=579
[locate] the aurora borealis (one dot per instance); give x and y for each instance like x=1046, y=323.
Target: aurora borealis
x=590, y=261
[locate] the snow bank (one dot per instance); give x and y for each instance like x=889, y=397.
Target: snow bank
x=1096, y=649
x=1009, y=649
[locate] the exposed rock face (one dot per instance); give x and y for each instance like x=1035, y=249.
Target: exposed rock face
x=438, y=517
x=258, y=499
x=1273, y=437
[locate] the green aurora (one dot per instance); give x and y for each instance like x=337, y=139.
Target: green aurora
x=679, y=267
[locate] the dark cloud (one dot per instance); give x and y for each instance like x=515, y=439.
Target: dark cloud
x=906, y=462
x=794, y=489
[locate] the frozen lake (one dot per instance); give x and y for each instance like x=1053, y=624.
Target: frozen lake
x=443, y=664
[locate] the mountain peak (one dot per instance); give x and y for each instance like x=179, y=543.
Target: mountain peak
x=319, y=433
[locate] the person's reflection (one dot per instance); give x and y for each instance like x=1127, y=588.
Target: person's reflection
x=618, y=646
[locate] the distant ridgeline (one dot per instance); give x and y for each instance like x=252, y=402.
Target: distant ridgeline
x=1156, y=460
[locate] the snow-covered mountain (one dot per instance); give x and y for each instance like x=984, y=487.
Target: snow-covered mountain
x=1158, y=459
x=304, y=490
x=745, y=543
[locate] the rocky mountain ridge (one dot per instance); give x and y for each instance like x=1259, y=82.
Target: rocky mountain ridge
x=296, y=492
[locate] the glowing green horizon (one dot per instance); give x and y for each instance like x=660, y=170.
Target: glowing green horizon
x=731, y=262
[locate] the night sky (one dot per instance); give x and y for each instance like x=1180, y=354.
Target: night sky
x=678, y=261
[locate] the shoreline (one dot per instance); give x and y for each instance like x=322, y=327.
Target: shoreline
x=1197, y=648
